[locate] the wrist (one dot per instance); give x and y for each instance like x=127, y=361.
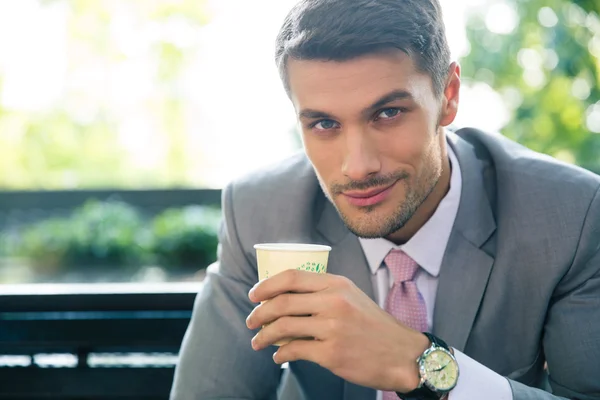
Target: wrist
x=408, y=377
x=438, y=370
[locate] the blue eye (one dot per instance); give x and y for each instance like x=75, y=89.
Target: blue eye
x=325, y=125
x=388, y=113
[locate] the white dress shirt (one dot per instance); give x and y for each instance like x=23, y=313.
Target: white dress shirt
x=427, y=248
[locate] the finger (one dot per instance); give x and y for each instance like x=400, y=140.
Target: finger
x=287, y=304
x=289, y=281
x=308, y=350
x=287, y=328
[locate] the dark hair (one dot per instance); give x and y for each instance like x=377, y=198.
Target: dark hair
x=340, y=30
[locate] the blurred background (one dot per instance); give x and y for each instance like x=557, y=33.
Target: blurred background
x=121, y=120
x=114, y=112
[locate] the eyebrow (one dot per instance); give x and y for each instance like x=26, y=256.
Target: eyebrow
x=388, y=98
x=381, y=102
x=314, y=114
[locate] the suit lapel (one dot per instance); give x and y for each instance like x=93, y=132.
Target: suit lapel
x=462, y=282
x=466, y=267
x=347, y=259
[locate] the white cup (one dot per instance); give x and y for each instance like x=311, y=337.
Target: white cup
x=273, y=258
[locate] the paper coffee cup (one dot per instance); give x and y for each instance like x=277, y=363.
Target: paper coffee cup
x=273, y=258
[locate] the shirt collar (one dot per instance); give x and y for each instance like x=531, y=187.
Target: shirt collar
x=428, y=246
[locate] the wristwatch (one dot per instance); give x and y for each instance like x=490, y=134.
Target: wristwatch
x=438, y=370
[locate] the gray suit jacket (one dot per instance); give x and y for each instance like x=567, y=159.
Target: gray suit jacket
x=519, y=284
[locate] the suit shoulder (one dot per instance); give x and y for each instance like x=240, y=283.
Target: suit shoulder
x=275, y=203
x=275, y=181
x=517, y=166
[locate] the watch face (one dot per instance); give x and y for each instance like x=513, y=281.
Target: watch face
x=440, y=370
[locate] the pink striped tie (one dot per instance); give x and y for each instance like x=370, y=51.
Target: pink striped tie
x=404, y=301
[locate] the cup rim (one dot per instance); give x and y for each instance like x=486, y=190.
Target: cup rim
x=303, y=247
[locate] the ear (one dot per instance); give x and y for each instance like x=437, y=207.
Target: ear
x=451, y=96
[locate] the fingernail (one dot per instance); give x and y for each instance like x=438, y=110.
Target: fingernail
x=275, y=357
x=251, y=292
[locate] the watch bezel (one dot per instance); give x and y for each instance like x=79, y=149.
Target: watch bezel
x=425, y=379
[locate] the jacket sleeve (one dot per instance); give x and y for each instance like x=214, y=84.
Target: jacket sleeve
x=216, y=358
x=572, y=329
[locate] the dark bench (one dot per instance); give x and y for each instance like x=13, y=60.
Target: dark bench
x=84, y=320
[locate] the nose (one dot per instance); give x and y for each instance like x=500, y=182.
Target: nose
x=362, y=158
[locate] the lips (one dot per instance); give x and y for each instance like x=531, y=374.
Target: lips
x=368, y=198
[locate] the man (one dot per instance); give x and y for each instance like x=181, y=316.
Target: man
x=490, y=249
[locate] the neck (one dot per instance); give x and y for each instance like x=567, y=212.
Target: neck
x=431, y=203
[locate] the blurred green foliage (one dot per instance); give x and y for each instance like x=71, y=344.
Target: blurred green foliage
x=52, y=150
x=548, y=72
x=186, y=237
x=109, y=234
x=78, y=140
x=114, y=235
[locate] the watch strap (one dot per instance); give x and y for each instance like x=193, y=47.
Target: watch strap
x=424, y=393
x=436, y=341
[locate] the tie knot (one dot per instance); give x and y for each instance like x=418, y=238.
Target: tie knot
x=401, y=266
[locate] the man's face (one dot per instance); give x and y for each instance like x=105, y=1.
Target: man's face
x=372, y=130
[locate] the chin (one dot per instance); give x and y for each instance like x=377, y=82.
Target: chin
x=371, y=224
x=367, y=234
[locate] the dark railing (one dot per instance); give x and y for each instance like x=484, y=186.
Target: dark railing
x=160, y=198
x=22, y=207
x=141, y=324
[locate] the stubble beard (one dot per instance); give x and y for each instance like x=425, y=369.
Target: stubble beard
x=370, y=225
